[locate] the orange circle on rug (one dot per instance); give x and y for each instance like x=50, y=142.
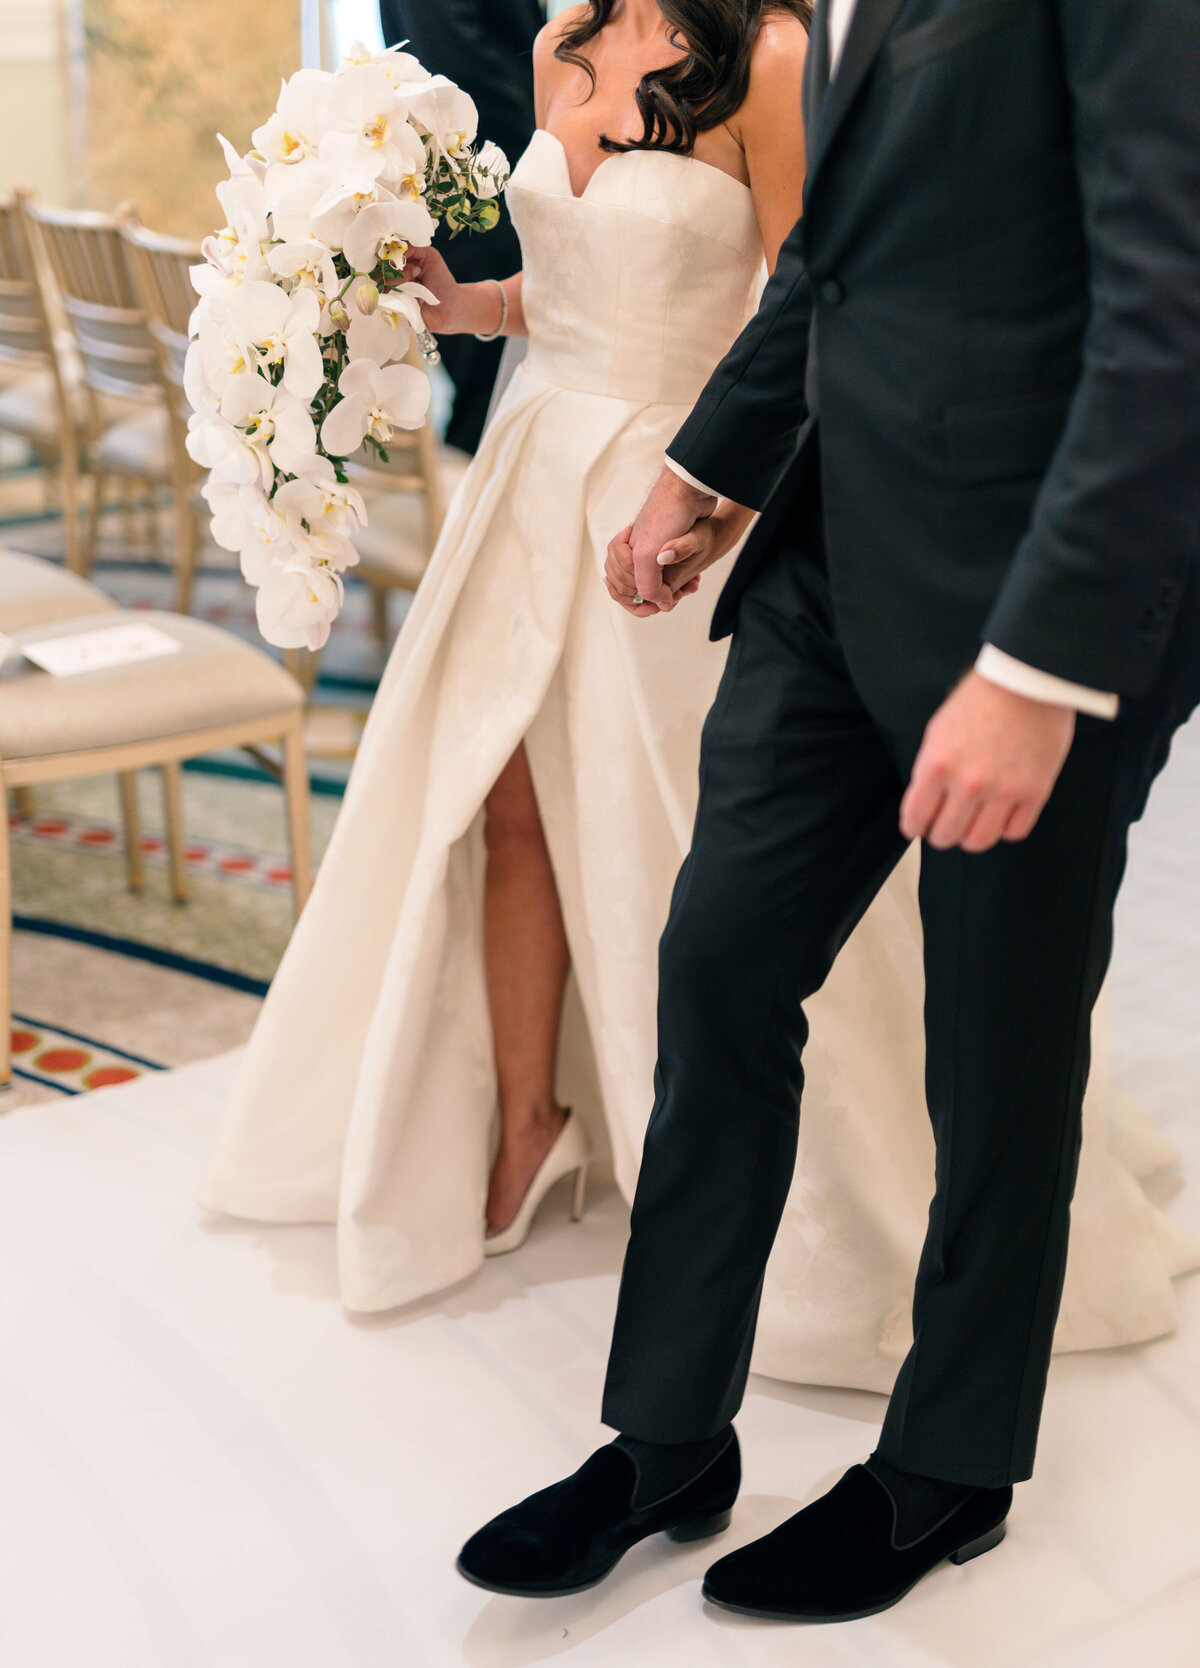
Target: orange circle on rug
x=23, y=1041
x=235, y=865
x=105, y=1076
x=97, y=837
x=62, y=1059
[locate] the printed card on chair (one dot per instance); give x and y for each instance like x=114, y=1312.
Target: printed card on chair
x=93, y=651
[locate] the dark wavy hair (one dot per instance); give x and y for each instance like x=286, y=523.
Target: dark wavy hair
x=704, y=88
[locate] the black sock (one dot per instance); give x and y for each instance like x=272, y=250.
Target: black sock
x=921, y=1502
x=665, y=1467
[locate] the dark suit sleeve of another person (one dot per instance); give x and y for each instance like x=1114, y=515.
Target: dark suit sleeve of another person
x=746, y=427
x=1095, y=586
x=451, y=38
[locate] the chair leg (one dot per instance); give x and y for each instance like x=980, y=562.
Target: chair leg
x=69, y=485
x=24, y=803
x=295, y=793
x=153, y=534
x=379, y=611
x=131, y=815
x=129, y=515
x=303, y=664
x=172, y=783
x=87, y=555
x=185, y=534
x=5, y=960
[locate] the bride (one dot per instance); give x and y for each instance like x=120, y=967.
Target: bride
x=525, y=789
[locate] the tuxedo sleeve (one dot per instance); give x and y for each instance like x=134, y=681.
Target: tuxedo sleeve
x=746, y=426
x=451, y=37
x=1095, y=585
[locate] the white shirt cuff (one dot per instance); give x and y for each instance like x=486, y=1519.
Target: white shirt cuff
x=1000, y=668
x=690, y=479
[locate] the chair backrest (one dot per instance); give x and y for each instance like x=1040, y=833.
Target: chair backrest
x=25, y=332
x=87, y=259
x=161, y=268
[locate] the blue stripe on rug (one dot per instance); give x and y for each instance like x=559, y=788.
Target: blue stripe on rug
x=141, y=952
x=46, y=1082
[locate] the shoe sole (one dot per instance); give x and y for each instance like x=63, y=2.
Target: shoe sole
x=698, y=1529
x=972, y=1549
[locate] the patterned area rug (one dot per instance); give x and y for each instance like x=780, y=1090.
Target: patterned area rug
x=108, y=984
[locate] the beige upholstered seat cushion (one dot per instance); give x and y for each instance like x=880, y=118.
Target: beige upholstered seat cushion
x=215, y=680
x=138, y=446
x=34, y=593
x=29, y=406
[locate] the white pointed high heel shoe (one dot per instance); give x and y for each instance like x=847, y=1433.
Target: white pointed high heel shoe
x=571, y=1151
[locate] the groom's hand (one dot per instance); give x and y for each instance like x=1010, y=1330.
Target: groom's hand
x=987, y=765
x=672, y=509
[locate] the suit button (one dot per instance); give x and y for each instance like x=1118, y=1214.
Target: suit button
x=833, y=292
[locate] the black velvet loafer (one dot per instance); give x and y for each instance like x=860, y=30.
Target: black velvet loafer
x=837, y=1560
x=569, y=1536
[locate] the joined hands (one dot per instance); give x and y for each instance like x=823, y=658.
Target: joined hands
x=680, y=532
x=989, y=758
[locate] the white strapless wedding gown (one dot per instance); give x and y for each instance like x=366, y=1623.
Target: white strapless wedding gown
x=367, y=1096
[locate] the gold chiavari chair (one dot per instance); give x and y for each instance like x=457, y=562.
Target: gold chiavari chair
x=161, y=269
x=126, y=417
x=40, y=396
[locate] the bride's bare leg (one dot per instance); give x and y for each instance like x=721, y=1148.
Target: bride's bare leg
x=526, y=958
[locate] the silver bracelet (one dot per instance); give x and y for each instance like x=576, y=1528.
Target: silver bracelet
x=499, y=330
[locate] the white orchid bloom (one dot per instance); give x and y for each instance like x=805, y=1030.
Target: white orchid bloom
x=370, y=137
x=272, y=427
x=400, y=67
x=239, y=164
x=306, y=264
x=335, y=213
x=247, y=522
x=489, y=171
x=295, y=130
x=235, y=255
x=244, y=201
x=343, y=505
x=213, y=359
x=218, y=447
x=386, y=232
x=386, y=334
x=376, y=402
x=281, y=329
x=318, y=523
x=296, y=604
x=292, y=193
x=446, y=113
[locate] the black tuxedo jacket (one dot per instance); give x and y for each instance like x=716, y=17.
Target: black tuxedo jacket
x=981, y=345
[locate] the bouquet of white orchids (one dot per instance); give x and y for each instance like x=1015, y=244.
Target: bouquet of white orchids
x=304, y=312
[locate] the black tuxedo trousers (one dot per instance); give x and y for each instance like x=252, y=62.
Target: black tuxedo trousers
x=797, y=829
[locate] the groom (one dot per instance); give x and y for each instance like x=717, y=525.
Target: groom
x=969, y=411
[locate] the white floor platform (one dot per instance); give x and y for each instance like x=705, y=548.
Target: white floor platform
x=204, y=1464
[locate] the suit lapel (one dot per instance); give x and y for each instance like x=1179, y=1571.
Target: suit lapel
x=816, y=69
x=869, y=29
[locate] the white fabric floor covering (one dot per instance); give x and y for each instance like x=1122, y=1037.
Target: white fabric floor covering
x=204, y=1464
